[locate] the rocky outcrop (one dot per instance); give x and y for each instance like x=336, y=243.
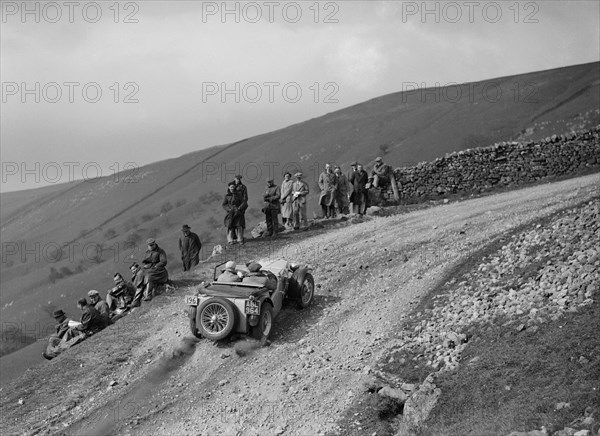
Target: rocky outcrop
x=479, y=170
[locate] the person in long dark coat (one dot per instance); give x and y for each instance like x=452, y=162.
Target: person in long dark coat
x=328, y=186
x=189, y=245
x=154, y=264
x=235, y=221
x=271, y=208
x=341, y=195
x=359, y=180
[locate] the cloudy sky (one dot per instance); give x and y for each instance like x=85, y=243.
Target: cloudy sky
x=96, y=85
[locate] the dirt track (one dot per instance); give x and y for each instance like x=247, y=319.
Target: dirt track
x=369, y=275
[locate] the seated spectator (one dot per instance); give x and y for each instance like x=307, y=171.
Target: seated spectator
x=381, y=174
x=229, y=274
x=138, y=278
x=58, y=342
x=100, y=305
x=91, y=321
x=121, y=295
x=154, y=265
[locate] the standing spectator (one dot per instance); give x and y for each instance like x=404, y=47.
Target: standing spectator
x=235, y=222
x=190, y=246
x=350, y=177
x=328, y=186
x=299, y=192
x=341, y=195
x=271, y=208
x=154, y=265
x=286, y=200
x=240, y=187
x=359, y=180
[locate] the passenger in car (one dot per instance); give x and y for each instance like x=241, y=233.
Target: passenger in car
x=258, y=277
x=230, y=274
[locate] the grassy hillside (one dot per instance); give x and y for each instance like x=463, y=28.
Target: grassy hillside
x=60, y=241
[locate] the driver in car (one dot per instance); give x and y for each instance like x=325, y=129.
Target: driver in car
x=230, y=274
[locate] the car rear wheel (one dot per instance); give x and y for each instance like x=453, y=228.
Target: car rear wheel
x=307, y=291
x=216, y=318
x=192, y=315
x=265, y=323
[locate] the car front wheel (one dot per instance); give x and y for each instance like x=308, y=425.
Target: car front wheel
x=216, y=318
x=265, y=323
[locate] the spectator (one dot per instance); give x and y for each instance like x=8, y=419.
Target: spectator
x=235, y=221
x=380, y=174
x=328, y=186
x=271, y=208
x=121, y=295
x=138, y=279
x=341, y=195
x=154, y=265
x=189, y=246
x=299, y=192
x=359, y=180
x=286, y=200
x=100, y=305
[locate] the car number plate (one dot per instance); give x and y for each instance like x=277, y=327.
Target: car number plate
x=252, y=308
x=191, y=300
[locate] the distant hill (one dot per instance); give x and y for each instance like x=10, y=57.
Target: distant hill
x=101, y=224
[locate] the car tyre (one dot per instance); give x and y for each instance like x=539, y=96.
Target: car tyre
x=216, y=318
x=307, y=291
x=192, y=310
x=263, y=329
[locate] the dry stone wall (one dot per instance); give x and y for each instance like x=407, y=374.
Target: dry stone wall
x=500, y=165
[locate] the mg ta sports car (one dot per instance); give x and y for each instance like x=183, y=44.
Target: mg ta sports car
x=220, y=309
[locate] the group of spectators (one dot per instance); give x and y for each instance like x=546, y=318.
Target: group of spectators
x=289, y=199
x=97, y=314
x=345, y=193
x=340, y=194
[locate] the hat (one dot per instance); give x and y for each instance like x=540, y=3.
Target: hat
x=58, y=313
x=230, y=266
x=298, y=174
x=358, y=163
x=239, y=176
x=82, y=302
x=378, y=159
x=93, y=292
x=185, y=227
x=353, y=164
x=254, y=267
x=270, y=181
x=150, y=241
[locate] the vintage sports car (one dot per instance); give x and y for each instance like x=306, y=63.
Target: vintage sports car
x=220, y=309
